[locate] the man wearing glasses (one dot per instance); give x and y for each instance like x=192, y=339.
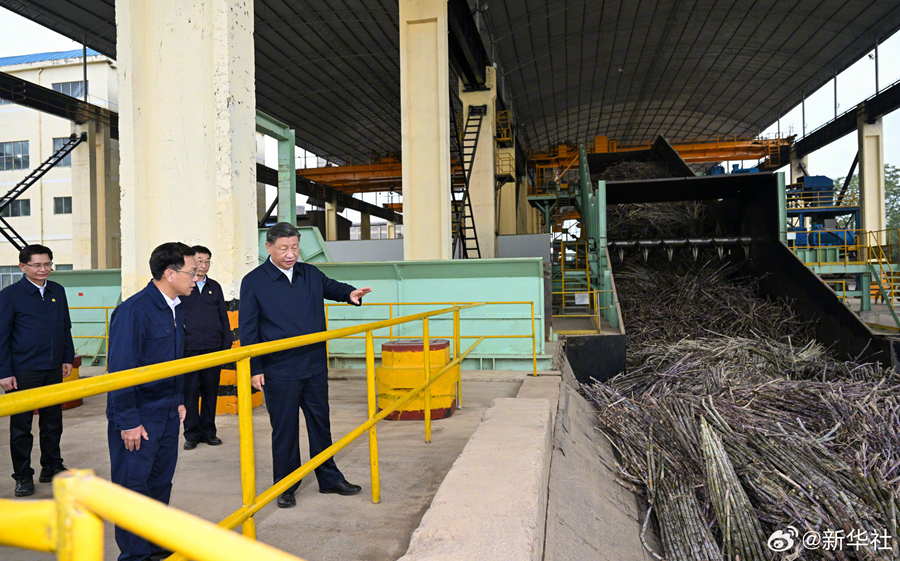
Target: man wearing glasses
x=146, y=329
x=206, y=331
x=36, y=350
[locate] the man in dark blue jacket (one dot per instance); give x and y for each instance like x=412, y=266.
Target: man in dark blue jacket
x=147, y=329
x=206, y=330
x=36, y=350
x=285, y=298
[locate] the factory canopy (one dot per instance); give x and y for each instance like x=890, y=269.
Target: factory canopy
x=628, y=69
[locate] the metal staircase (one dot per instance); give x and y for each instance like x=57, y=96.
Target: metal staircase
x=8, y=232
x=465, y=238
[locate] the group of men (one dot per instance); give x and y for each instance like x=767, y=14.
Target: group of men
x=180, y=313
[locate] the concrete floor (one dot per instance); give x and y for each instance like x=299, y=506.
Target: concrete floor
x=320, y=527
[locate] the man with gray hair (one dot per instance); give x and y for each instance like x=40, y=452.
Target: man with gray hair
x=285, y=298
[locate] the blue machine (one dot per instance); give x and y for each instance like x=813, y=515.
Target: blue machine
x=736, y=168
x=818, y=189
x=716, y=170
x=819, y=237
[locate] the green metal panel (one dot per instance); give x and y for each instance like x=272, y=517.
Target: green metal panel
x=287, y=180
x=782, y=209
x=312, y=245
x=90, y=289
x=447, y=281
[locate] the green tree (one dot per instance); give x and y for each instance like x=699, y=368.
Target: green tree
x=891, y=195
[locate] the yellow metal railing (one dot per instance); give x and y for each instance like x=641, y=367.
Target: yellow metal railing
x=798, y=199
x=839, y=287
x=504, y=126
x=456, y=341
x=70, y=524
x=506, y=164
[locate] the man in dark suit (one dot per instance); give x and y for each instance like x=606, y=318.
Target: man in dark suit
x=285, y=298
x=36, y=350
x=147, y=329
x=206, y=330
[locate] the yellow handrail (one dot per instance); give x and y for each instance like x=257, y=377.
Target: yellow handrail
x=391, y=335
x=82, y=499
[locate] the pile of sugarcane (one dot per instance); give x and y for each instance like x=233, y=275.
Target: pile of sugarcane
x=630, y=171
x=736, y=425
x=651, y=220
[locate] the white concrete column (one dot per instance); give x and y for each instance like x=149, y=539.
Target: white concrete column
x=365, y=226
x=187, y=127
x=506, y=197
x=95, y=200
x=391, y=230
x=524, y=208
x=871, y=174
x=261, y=206
x=424, y=124
x=331, y=228
x=483, y=180
x=798, y=165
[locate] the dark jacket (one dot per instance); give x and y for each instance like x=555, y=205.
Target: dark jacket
x=206, y=324
x=35, y=332
x=142, y=332
x=273, y=308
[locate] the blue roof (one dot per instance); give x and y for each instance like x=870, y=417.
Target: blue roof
x=44, y=57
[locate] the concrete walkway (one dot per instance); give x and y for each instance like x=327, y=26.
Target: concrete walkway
x=320, y=527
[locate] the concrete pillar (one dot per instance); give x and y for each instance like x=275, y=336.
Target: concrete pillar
x=331, y=228
x=287, y=179
x=391, y=230
x=798, y=165
x=188, y=166
x=261, y=206
x=424, y=125
x=506, y=197
x=95, y=200
x=365, y=226
x=483, y=180
x=871, y=174
x=523, y=207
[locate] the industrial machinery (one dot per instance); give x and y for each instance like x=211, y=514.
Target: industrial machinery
x=744, y=218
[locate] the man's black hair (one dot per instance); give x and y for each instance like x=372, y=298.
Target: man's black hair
x=281, y=230
x=169, y=256
x=201, y=249
x=30, y=251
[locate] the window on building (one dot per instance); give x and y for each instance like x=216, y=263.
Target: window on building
x=62, y=205
x=57, y=144
x=9, y=275
x=74, y=89
x=60, y=267
x=14, y=155
x=19, y=207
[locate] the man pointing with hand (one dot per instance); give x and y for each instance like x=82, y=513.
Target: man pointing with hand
x=285, y=298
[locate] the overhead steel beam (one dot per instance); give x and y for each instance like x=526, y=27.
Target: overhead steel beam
x=27, y=94
x=875, y=107
x=269, y=176
x=468, y=57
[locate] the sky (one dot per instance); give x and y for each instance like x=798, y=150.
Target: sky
x=21, y=36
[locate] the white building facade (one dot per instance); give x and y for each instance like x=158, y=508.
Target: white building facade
x=46, y=212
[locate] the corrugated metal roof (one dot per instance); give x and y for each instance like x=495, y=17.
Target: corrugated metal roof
x=44, y=57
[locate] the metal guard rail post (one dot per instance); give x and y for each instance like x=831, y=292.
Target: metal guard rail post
x=456, y=336
x=81, y=498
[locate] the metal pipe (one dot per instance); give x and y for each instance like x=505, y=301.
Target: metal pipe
x=267, y=496
x=877, y=89
x=245, y=431
x=28, y=524
x=80, y=535
x=426, y=346
x=37, y=398
x=166, y=526
x=84, y=65
x=373, y=409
